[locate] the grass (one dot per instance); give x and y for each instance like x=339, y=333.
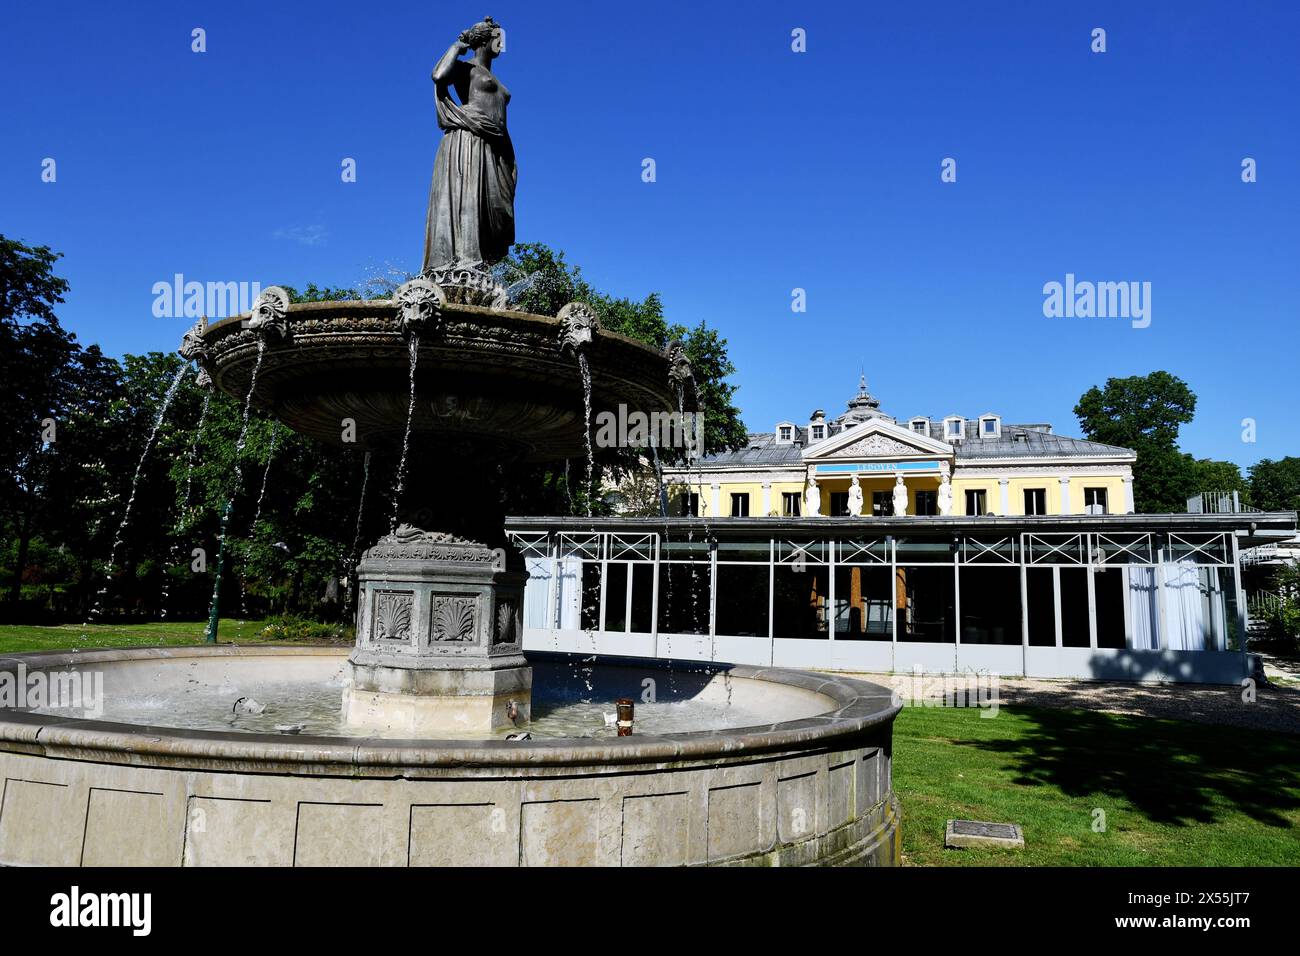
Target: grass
x=1172, y=793
x=66, y=637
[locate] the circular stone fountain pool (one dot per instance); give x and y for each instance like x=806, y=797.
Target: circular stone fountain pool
x=727, y=765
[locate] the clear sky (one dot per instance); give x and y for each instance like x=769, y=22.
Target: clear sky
x=775, y=170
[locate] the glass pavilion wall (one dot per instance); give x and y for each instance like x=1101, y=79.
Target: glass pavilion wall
x=1124, y=605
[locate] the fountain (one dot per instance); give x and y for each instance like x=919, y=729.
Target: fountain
x=436, y=739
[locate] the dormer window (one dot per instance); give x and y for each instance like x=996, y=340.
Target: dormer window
x=818, y=432
x=920, y=425
x=785, y=433
x=954, y=428
x=990, y=426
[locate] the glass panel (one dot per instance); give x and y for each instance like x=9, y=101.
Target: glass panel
x=990, y=605
x=589, y=616
x=684, y=549
x=1108, y=584
x=863, y=552
x=925, y=550
x=747, y=551
x=742, y=600
x=930, y=611
x=1041, y=599
x=863, y=604
x=1074, y=607
x=799, y=603
x=989, y=551
x=684, y=598
x=643, y=576
x=615, y=596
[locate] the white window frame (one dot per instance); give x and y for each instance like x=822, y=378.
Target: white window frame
x=924, y=422
x=782, y=426
x=817, y=431
x=961, y=428
x=997, y=426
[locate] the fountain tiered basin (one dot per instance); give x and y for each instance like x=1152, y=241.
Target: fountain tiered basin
x=495, y=381
x=437, y=740
x=737, y=765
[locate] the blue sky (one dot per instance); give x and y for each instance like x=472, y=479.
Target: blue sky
x=776, y=170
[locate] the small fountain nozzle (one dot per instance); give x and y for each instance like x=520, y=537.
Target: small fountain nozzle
x=624, y=708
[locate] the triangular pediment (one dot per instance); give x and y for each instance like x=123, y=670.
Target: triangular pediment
x=877, y=439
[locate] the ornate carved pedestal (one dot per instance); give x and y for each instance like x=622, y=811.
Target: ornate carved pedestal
x=438, y=639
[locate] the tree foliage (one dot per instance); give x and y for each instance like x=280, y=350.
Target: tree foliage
x=1144, y=413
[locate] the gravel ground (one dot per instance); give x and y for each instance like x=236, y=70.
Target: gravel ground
x=1276, y=705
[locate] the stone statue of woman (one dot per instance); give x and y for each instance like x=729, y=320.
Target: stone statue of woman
x=471, y=220
x=812, y=498
x=900, y=497
x=855, y=498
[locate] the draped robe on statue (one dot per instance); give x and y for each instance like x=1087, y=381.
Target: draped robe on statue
x=472, y=202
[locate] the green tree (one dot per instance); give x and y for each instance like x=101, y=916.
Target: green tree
x=1211, y=475
x=1144, y=413
x=1275, y=485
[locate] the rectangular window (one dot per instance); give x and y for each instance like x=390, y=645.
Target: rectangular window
x=690, y=505
x=740, y=505
x=927, y=502
x=976, y=502
x=818, y=432
x=785, y=433
x=839, y=503
x=1094, y=501
x=1035, y=501
x=791, y=502
x=882, y=504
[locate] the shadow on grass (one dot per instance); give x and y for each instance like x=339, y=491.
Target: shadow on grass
x=1172, y=772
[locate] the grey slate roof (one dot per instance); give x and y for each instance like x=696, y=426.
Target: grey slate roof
x=1017, y=441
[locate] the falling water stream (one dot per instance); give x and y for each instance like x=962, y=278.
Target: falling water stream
x=413, y=347
x=237, y=480
x=135, y=483
x=354, y=556
x=185, y=519
x=585, y=371
x=257, y=516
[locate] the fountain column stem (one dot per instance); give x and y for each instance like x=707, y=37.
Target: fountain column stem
x=214, y=612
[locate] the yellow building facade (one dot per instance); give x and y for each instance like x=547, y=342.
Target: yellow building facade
x=954, y=465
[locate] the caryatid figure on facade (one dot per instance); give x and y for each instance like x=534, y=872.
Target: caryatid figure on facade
x=812, y=498
x=471, y=221
x=945, y=495
x=855, y=497
x=900, y=496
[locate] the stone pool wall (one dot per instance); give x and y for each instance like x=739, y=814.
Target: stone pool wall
x=810, y=791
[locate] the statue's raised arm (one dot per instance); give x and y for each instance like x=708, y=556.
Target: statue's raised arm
x=471, y=221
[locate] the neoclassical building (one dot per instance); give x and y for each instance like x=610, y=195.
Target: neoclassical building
x=991, y=467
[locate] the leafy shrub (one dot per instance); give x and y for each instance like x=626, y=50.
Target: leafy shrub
x=286, y=627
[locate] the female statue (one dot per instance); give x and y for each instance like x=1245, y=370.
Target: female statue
x=855, y=498
x=812, y=498
x=900, y=497
x=471, y=220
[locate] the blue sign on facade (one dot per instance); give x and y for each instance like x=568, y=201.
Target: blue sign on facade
x=849, y=468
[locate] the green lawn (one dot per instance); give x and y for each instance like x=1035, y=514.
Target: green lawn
x=1173, y=793
x=19, y=637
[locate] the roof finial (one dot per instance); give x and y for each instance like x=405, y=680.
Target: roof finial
x=862, y=385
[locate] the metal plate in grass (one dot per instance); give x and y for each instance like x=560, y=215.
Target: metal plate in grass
x=962, y=833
